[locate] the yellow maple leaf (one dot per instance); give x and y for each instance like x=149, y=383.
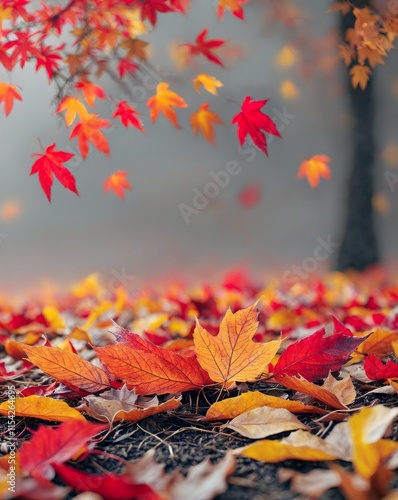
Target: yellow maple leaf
x=163, y=101
x=203, y=120
x=314, y=168
x=209, y=83
x=232, y=356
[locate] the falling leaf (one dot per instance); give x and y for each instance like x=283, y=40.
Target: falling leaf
x=381, y=203
x=10, y=210
x=251, y=195
x=49, y=163
x=8, y=94
x=88, y=129
x=43, y=408
x=316, y=355
x=203, y=121
x=117, y=182
x=151, y=369
x=234, y=6
x=263, y=422
x=209, y=83
x=163, y=101
x=314, y=168
x=127, y=115
x=360, y=76
x=205, y=47
x=289, y=90
x=389, y=155
x=232, y=355
x=232, y=407
x=286, y=56
x=74, y=109
x=251, y=121
x=68, y=368
x=50, y=446
x=299, y=445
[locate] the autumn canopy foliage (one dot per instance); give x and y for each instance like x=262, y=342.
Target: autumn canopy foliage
x=77, y=43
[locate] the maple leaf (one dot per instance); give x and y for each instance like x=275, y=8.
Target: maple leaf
x=209, y=83
x=232, y=356
x=49, y=163
x=117, y=182
x=88, y=129
x=314, y=168
x=90, y=91
x=73, y=107
x=375, y=369
x=68, y=368
x=316, y=355
x=203, y=120
x=234, y=6
x=151, y=369
x=50, y=446
x=127, y=115
x=49, y=59
x=163, y=101
x=8, y=93
x=251, y=121
x=360, y=75
x=150, y=9
x=205, y=47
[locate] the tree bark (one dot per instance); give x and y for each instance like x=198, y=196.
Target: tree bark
x=359, y=247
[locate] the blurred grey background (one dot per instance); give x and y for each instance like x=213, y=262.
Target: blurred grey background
x=146, y=235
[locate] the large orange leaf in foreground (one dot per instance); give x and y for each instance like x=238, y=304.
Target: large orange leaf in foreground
x=232, y=356
x=151, y=369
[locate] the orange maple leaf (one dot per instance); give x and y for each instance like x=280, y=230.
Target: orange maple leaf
x=234, y=6
x=314, y=168
x=90, y=91
x=8, y=93
x=209, y=83
x=203, y=120
x=88, y=129
x=73, y=107
x=117, y=182
x=163, y=101
x=360, y=76
x=232, y=356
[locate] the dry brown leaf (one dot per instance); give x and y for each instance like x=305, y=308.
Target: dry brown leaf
x=263, y=422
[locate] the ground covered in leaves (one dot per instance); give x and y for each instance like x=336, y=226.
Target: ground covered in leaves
x=238, y=390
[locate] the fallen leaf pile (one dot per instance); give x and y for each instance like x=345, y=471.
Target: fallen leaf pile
x=306, y=372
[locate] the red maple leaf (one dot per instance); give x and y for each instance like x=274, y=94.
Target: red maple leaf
x=205, y=47
x=150, y=9
x=375, y=369
x=251, y=121
x=316, y=355
x=127, y=115
x=49, y=163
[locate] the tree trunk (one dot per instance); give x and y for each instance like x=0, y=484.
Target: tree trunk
x=359, y=247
